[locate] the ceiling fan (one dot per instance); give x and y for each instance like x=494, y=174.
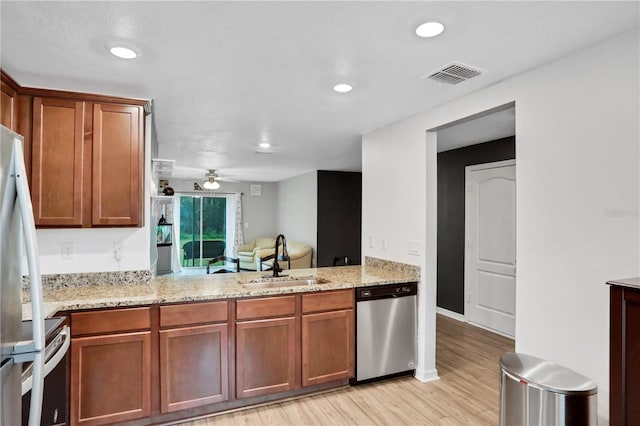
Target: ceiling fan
x=212, y=180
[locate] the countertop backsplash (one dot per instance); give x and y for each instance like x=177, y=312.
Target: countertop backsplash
x=55, y=281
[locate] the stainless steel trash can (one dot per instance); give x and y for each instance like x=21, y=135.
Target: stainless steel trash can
x=538, y=392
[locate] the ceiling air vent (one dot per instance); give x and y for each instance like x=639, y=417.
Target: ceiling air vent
x=163, y=168
x=454, y=73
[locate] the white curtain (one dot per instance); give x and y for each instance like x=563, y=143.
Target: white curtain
x=175, y=247
x=235, y=236
x=238, y=238
x=153, y=248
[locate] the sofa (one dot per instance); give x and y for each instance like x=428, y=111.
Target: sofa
x=246, y=253
x=300, y=257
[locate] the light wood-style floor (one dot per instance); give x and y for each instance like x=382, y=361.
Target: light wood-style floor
x=466, y=394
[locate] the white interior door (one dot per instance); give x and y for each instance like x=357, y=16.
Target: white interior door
x=490, y=253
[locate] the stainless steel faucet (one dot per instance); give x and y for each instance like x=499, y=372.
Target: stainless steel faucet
x=285, y=255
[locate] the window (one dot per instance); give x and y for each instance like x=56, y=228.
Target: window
x=203, y=229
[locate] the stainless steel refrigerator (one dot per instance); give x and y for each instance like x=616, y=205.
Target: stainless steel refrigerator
x=17, y=230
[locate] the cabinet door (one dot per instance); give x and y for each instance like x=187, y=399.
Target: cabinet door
x=58, y=159
x=265, y=356
x=193, y=367
x=118, y=157
x=327, y=347
x=110, y=378
x=7, y=106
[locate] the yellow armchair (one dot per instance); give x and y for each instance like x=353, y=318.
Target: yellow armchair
x=300, y=256
x=246, y=253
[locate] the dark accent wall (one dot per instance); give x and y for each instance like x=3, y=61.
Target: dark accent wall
x=451, y=166
x=339, y=216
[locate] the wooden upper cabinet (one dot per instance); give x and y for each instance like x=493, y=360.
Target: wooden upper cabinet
x=84, y=154
x=118, y=157
x=87, y=163
x=16, y=114
x=7, y=106
x=58, y=161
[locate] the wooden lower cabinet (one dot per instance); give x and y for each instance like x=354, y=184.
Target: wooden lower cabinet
x=624, y=359
x=193, y=367
x=265, y=356
x=110, y=378
x=327, y=347
x=158, y=363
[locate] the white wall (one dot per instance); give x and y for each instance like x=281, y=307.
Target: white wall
x=298, y=209
x=578, y=186
x=94, y=248
x=259, y=213
x=394, y=216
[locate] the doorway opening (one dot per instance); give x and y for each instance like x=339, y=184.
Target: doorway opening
x=476, y=219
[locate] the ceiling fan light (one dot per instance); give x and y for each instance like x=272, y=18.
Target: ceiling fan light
x=211, y=184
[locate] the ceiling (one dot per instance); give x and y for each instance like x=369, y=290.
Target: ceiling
x=225, y=76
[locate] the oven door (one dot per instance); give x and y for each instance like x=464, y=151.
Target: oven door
x=54, y=407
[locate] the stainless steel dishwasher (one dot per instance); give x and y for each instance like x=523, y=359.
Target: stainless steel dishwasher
x=385, y=330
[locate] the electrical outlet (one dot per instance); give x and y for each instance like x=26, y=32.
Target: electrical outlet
x=371, y=241
x=413, y=248
x=383, y=243
x=117, y=251
x=67, y=251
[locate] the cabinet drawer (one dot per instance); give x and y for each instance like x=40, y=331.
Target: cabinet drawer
x=327, y=301
x=196, y=313
x=115, y=320
x=265, y=307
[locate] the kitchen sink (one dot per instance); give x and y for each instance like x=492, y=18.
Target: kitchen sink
x=284, y=283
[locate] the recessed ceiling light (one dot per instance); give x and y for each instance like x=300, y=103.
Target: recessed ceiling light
x=342, y=88
x=430, y=29
x=264, y=144
x=123, y=52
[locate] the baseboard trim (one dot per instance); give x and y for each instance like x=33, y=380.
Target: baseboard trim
x=491, y=330
x=447, y=313
x=458, y=317
x=427, y=375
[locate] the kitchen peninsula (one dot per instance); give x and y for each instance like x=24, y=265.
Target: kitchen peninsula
x=173, y=347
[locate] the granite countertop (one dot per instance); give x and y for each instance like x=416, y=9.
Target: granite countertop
x=189, y=288
x=627, y=282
